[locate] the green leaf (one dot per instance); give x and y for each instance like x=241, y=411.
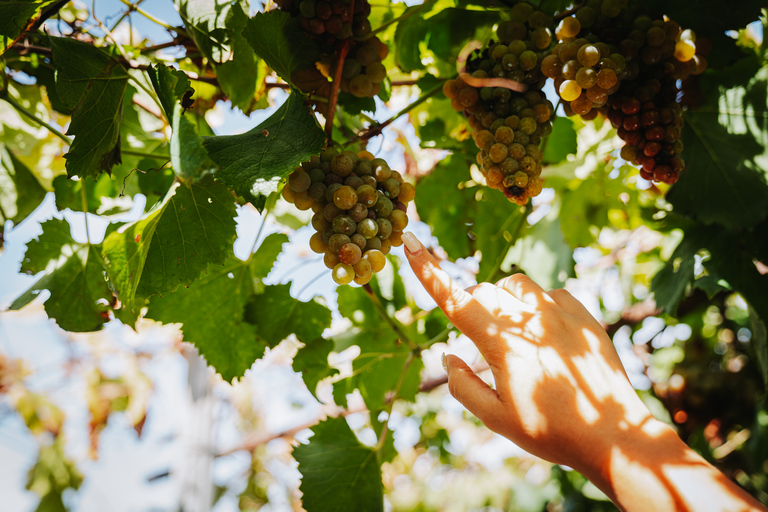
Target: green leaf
x=188, y=154
x=16, y=17
x=266, y=255
x=211, y=313
x=562, y=141
x=338, y=473
x=69, y=192
x=354, y=106
x=670, y=283
x=494, y=223
x=209, y=24
x=277, y=38
x=171, y=86
x=242, y=77
x=276, y=314
x=80, y=296
x=543, y=253
x=725, y=150
x=92, y=84
x=254, y=163
x=448, y=219
x=312, y=362
x=174, y=244
x=20, y=192
x=760, y=342
x=383, y=364
x=46, y=247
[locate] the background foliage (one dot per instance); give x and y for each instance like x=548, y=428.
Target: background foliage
x=148, y=198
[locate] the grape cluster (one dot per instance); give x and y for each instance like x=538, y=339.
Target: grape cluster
x=359, y=205
x=615, y=60
x=508, y=128
x=330, y=22
x=363, y=72
x=522, y=44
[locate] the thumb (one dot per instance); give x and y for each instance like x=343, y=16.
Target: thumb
x=474, y=394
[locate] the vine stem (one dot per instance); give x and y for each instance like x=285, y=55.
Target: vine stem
x=150, y=17
x=36, y=119
x=331, y=109
x=388, y=319
x=374, y=130
x=258, y=233
x=130, y=152
x=569, y=11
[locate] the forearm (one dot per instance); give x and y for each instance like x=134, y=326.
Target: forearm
x=652, y=469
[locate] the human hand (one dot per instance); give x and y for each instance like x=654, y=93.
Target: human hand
x=561, y=391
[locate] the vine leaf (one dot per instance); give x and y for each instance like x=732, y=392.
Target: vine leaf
x=254, y=163
x=20, y=192
x=208, y=22
x=725, y=178
x=194, y=227
x=276, y=314
x=243, y=77
x=211, y=310
x=670, y=283
x=16, y=18
x=562, y=141
x=171, y=86
x=80, y=296
x=211, y=313
x=338, y=473
x=277, y=38
x=189, y=157
x=312, y=362
x=380, y=365
x=92, y=84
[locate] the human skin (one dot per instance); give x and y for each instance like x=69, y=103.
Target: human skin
x=562, y=394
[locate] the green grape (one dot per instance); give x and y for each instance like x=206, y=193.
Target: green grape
x=362, y=269
x=528, y=125
x=299, y=180
x=504, y=135
x=331, y=259
x=307, y=8
x=516, y=151
x=568, y=27
x=351, y=69
x=385, y=228
x=407, y=192
x=358, y=212
x=317, y=192
x=607, y=78
x=336, y=241
x=541, y=38
x=655, y=36
x=367, y=195
x=586, y=16
x=588, y=55
x=685, y=50
x=509, y=166
x=376, y=72
x=359, y=240
x=319, y=222
x=383, y=206
x=611, y=8
x=342, y=165
x=551, y=66
x=366, y=55
x=372, y=244
x=368, y=228
x=343, y=274
x=538, y=19
x=361, y=86
x=569, y=90
x=586, y=78
x=498, y=152
x=302, y=201
x=317, y=244
x=398, y=219
x=498, y=52
x=391, y=187
x=331, y=190
x=381, y=171
x=528, y=60
x=350, y=253
x=521, y=12
x=376, y=258
x=345, y=225
x=516, y=47
x=345, y=197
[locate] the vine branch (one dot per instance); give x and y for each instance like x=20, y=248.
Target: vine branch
x=393, y=324
x=376, y=129
x=20, y=108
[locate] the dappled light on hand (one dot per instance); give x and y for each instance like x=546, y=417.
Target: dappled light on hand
x=562, y=393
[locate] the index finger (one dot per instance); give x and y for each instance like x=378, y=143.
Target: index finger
x=461, y=308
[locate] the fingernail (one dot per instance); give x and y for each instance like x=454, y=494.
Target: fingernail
x=444, y=360
x=411, y=242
